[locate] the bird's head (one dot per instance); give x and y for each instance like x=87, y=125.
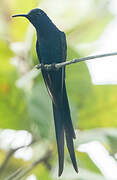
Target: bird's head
x=35, y=16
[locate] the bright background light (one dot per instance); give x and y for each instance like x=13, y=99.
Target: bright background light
x=32, y=177
x=104, y=70
x=11, y=139
x=100, y=156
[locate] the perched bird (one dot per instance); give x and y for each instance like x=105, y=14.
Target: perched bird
x=51, y=48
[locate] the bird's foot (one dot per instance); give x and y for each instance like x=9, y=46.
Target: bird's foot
x=50, y=68
x=53, y=67
x=42, y=66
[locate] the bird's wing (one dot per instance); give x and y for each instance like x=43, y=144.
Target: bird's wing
x=64, y=54
x=63, y=46
x=54, y=80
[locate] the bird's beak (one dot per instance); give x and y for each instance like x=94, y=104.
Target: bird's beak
x=17, y=15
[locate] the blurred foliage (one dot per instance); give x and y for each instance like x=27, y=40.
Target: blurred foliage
x=24, y=102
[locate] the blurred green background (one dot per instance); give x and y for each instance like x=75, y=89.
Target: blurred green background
x=25, y=107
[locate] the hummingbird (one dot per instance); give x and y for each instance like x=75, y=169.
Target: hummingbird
x=51, y=48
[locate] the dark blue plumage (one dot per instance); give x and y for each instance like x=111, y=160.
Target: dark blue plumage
x=51, y=48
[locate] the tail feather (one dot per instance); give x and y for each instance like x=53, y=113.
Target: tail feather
x=66, y=114
x=70, y=146
x=59, y=128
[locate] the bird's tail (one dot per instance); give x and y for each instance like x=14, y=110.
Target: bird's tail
x=63, y=124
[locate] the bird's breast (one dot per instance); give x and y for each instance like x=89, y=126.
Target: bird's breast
x=50, y=49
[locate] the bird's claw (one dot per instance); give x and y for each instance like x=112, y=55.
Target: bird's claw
x=42, y=66
x=53, y=67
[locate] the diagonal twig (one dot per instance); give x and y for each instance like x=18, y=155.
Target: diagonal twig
x=9, y=154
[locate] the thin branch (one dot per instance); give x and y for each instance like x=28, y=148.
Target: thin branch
x=9, y=154
x=19, y=174
x=16, y=173
x=59, y=65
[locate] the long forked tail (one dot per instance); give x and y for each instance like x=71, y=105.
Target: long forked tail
x=63, y=124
